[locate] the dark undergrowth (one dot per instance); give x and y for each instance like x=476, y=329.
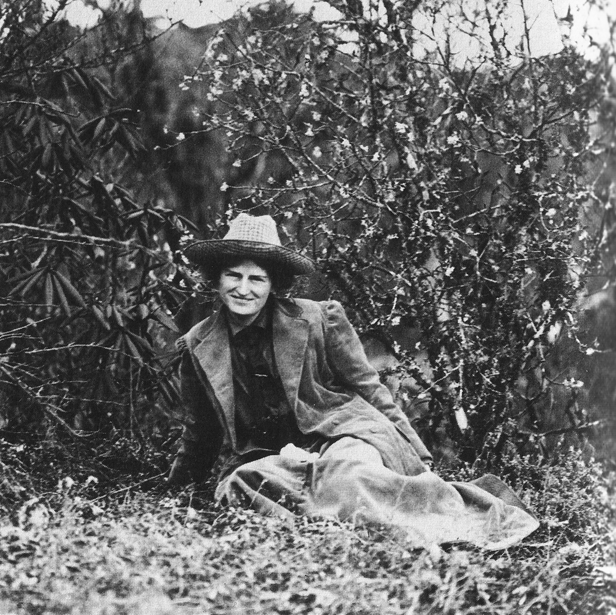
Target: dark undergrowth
x=92, y=528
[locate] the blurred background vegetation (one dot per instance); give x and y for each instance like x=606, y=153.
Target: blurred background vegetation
x=456, y=190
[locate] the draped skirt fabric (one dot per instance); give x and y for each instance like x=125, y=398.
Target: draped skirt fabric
x=348, y=480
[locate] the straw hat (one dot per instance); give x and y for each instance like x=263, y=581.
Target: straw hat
x=250, y=237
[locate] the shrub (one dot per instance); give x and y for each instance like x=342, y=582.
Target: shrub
x=87, y=278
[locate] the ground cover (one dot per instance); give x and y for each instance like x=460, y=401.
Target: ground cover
x=127, y=544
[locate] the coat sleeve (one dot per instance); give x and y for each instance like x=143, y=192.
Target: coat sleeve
x=202, y=434
x=349, y=362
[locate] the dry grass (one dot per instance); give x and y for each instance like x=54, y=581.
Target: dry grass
x=82, y=548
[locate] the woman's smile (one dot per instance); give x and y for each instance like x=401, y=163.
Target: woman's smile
x=244, y=288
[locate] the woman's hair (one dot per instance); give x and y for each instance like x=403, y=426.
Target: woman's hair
x=282, y=279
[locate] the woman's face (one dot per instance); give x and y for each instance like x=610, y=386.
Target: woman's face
x=244, y=288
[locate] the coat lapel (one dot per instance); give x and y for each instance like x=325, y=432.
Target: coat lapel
x=214, y=356
x=290, y=334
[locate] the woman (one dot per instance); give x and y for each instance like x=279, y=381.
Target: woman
x=280, y=396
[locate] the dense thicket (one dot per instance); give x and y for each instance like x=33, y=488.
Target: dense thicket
x=87, y=281
x=456, y=203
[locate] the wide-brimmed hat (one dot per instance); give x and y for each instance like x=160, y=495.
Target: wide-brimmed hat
x=250, y=237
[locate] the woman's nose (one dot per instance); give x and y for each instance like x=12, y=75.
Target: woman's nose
x=243, y=287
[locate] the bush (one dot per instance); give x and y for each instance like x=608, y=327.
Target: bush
x=88, y=281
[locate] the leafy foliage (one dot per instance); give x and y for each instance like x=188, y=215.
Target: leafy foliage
x=87, y=278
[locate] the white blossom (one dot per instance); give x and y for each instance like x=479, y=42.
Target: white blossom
x=573, y=383
x=66, y=483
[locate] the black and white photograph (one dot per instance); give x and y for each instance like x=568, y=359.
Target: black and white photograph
x=307, y=307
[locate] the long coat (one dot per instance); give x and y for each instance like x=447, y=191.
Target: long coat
x=329, y=384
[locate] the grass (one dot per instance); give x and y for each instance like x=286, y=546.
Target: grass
x=92, y=545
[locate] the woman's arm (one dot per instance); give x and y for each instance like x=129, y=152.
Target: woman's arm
x=348, y=359
x=201, y=435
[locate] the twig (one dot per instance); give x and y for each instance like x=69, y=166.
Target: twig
x=71, y=236
x=129, y=487
x=577, y=428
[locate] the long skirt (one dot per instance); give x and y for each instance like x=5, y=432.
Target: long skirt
x=348, y=480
